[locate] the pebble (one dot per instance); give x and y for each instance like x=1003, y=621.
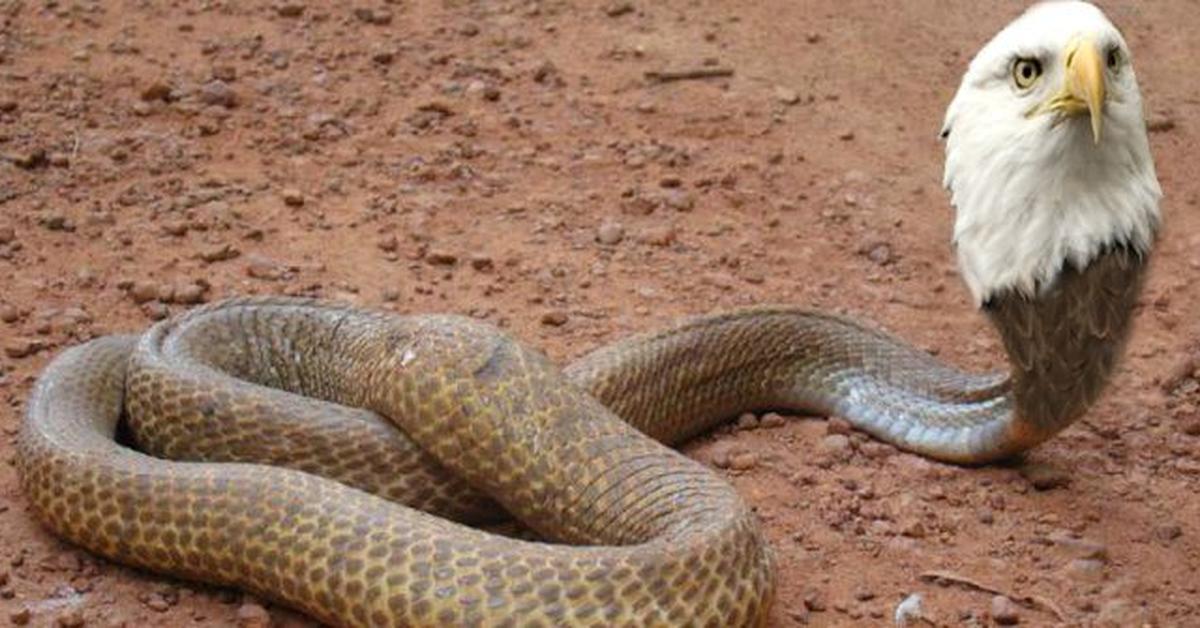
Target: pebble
x=880, y=253
x=265, y=268
x=388, y=243
x=378, y=17
x=772, y=420
x=157, y=603
x=7, y=235
x=838, y=425
x=1005, y=612
x=1044, y=477
x=20, y=617
x=157, y=90
x=610, y=233
x=189, y=294
x=252, y=615
x=9, y=313
x=18, y=348
x=617, y=8
x=218, y=93
x=31, y=159
x=658, y=236
x=439, y=257
x=219, y=253
x=747, y=421
x=787, y=95
x=292, y=197
x=1168, y=532
x=155, y=310
x=555, y=318
x=70, y=618
x=290, y=9
x=482, y=262
x=143, y=291
x=743, y=460
x=837, y=445
x=914, y=529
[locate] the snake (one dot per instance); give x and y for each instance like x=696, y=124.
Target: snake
x=337, y=460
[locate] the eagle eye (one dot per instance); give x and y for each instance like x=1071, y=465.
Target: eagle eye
x=1026, y=71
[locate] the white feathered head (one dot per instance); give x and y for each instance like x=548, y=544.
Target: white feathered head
x=1047, y=159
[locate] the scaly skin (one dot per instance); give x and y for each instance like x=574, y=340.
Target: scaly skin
x=657, y=539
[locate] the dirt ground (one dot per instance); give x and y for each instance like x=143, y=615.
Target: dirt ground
x=515, y=161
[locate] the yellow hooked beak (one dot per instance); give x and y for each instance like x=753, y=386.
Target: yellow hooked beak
x=1083, y=90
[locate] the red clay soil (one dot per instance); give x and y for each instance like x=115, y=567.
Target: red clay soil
x=521, y=162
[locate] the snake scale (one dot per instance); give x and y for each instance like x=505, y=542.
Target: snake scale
x=642, y=535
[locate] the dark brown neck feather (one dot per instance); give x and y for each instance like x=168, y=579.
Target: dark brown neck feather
x=1064, y=343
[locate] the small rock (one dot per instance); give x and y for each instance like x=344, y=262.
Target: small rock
x=189, y=294
x=482, y=262
x=1005, y=612
x=218, y=93
x=787, y=95
x=680, y=200
x=1168, y=532
x=143, y=291
x=658, y=236
x=9, y=313
x=555, y=318
x=815, y=602
x=772, y=420
x=378, y=17
x=219, y=253
x=878, y=252
x=289, y=9
x=388, y=243
x=265, y=268
x=177, y=228
x=252, y=615
x=914, y=529
x=838, y=425
x=610, y=233
x=157, y=603
x=30, y=160
x=20, y=617
x=155, y=310
x=747, y=421
x=1044, y=477
x=18, y=348
x=846, y=135
x=837, y=446
x=908, y=612
x=157, y=90
x=7, y=235
x=8, y=106
x=292, y=197
x=439, y=257
x=743, y=460
x=56, y=222
x=618, y=8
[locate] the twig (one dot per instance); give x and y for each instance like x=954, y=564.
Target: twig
x=666, y=76
x=1033, y=602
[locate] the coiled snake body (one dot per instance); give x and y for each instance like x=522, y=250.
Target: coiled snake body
x=654, y=538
